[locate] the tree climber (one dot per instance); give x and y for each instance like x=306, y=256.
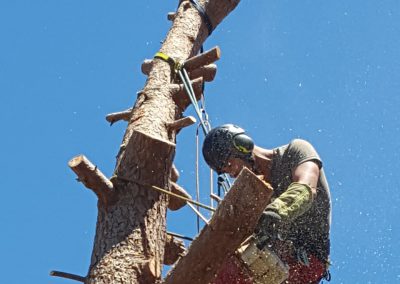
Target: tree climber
x=295, y=225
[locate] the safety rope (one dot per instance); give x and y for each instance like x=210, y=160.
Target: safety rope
x=189, y=201
x=177, y=68
x=206, y=127
x=203, y=15
x=205, y=114
x=197, y=175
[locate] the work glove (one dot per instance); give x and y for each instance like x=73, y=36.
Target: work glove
x=268, y=229
x=294, y=202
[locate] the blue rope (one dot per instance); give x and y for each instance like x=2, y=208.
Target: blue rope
x=204, y=15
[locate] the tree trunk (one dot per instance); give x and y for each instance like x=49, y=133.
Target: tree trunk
x=130, y=232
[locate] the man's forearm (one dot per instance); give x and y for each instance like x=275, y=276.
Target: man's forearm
x=294, y=202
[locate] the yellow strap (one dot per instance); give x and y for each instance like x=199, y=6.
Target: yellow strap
x=163, y=56
x=174, y=64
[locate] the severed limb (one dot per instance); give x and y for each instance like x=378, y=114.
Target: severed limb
x=233, y=221
x=117, y=116
x=174, y=249
x=68, y=276
x=171, y=16
x=178, y=124
x=93, y=179
x=180, y=96
x=202, y=59
x=174, y=202
x=208, y=71
x=174, y=175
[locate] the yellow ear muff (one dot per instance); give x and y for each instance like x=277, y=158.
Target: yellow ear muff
x=243, y=143
x=242, y=149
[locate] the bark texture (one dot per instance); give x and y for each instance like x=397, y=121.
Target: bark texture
x=93, y=178
x=130, y=233
x=234, y=220
x=174, y=249
x=208, y=72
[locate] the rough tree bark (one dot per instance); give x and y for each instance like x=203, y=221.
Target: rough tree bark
x=130, y=231
x=233, y=221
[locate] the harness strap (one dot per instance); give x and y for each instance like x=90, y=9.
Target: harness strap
x=175, y=65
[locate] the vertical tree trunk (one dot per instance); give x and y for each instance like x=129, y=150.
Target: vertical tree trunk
x=130, y=232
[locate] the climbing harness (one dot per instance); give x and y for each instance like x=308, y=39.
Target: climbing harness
x=327, y=276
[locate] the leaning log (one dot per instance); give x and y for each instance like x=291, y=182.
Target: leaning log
x=233, y=221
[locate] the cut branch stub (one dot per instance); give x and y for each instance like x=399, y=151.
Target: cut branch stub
x=68, y=276
x=208, y=72
x=147, y=157
x=174, y=249
x=177, y=125
x=216, y=197
x=233, y=221
x=93, y=178
x=146, y=66
x=174, y=173
x=180, y=96
x=174, y=202
x=171, y=16
x=117, y=116
x=202, y=59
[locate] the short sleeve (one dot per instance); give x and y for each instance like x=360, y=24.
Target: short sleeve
x=301, y=151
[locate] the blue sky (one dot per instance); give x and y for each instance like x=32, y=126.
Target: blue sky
x=325, y=71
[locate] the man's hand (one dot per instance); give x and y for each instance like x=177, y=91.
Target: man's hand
x=267, y=228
